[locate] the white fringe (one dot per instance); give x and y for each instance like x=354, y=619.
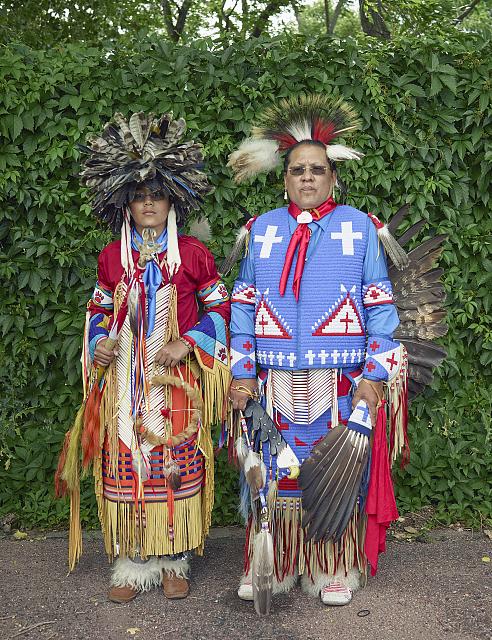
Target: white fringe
x=125, y=245
x=173, y=257
x=351, y=580
x=142, y=576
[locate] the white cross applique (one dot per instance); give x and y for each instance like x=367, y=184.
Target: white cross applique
x=347, y=236
x=268, y=240
x=291, y=358
x=310, y=357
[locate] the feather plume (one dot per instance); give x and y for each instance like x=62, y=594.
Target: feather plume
x=90, y=434
x=305, y=117
x=254, y=156
x=395, y=252
x=139, y=129
x=60, y=485
x=423, y=353
x=242, y=450
x=411, y=232
x=133, y=309
x=427, y=247
x=201, y=230
x=236, y=251
x=255, y=473
x=419, y=297
x=330, y=481
x=245, y=502
x=425, y=332
x=262, y=571
x=172, y=474
x=339, y=152
x=70, y=472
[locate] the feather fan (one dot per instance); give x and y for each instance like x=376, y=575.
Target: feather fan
x=419, y=297
x=331, y=477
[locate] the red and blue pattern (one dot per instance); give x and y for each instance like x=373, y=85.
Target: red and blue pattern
x=383, y=359
x=213, y=295
x=123, y=489
x=377, y=293
x=209, y=336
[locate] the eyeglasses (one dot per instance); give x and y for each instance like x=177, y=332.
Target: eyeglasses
x=142, y=196
x=315, y=170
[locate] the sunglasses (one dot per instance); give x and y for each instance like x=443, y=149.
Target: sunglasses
x=142, y=196
x=316, y=170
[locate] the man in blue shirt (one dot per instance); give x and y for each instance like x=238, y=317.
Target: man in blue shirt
x=311, y=332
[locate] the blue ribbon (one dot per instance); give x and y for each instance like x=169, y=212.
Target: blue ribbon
x=152, y=277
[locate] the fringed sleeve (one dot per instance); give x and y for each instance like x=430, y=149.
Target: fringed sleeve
x=209, y=337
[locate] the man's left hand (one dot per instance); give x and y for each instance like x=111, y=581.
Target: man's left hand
x=171, y=353
x=371, y=393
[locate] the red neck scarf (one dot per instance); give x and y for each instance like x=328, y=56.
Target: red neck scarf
x=301, y=237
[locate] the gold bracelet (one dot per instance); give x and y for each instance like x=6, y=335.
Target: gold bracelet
x=242, y=389
x=186, y=343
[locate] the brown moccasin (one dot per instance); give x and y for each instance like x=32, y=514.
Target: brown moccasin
x=122, y=595
x=174, y=586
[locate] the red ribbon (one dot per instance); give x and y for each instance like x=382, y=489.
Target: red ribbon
x=300, y=238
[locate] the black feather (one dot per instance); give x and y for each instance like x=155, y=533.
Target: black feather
x=411, y=232
x=397, y=219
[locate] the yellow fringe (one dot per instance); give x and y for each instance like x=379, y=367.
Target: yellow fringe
x=121, y=525
x=75, y=531
x=395, y=391
x=71, y=469
x=216, y=385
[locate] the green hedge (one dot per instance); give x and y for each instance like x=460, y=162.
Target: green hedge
x=425, y=106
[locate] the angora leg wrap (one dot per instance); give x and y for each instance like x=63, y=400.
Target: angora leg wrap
x=180, y=568
x=313, y=587
x=142, y=576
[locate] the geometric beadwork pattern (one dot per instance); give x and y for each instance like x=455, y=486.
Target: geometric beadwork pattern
x=377, y=293
x=268, y=323
x=341, y=319
x=122, y=489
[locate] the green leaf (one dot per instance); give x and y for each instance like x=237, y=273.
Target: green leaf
x=436, y=85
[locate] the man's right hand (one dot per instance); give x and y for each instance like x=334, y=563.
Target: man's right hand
x=240, y=398
x=102, y=356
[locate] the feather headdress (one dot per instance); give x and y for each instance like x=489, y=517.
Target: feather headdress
x=305, y=117
x=142, y=149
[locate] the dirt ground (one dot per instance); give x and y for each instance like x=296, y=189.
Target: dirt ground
x=430, y=588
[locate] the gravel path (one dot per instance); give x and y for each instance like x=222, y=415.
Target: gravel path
x=440, y=589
